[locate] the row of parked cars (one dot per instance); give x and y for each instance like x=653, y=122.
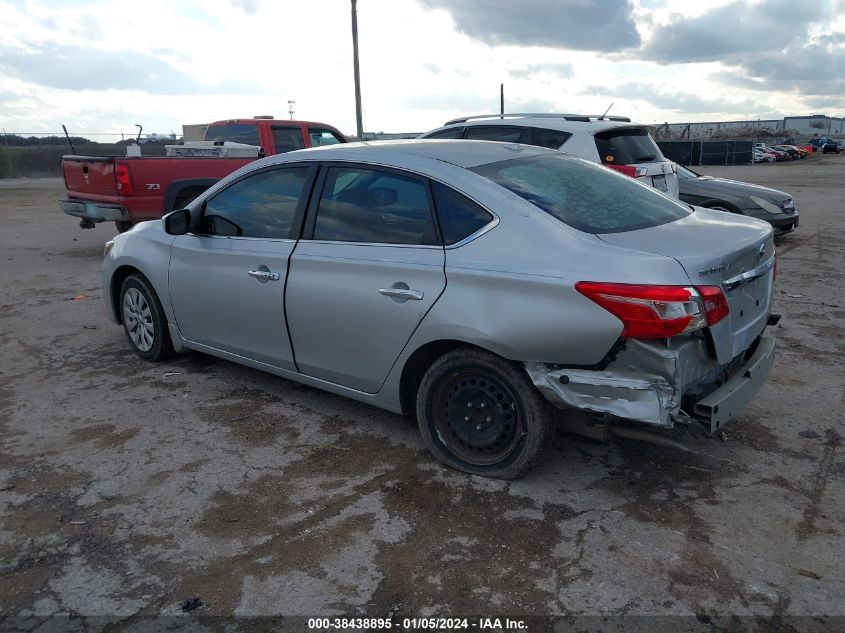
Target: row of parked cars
x=488, y=290
x=776, y=153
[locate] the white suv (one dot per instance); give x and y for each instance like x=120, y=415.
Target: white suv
x=612, y=141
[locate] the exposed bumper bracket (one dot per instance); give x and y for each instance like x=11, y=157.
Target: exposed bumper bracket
x=728, y=400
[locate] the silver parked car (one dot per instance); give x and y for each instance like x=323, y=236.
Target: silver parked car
x=478, y=286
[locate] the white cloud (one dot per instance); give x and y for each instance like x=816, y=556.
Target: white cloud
x=98, y=66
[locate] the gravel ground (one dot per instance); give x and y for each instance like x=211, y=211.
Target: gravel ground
x=127, y=488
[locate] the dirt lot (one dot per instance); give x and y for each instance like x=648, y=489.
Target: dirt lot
x=127, y=488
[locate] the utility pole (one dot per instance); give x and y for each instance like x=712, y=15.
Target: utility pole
x=501, y=100
x=291, y=103
x=359, y=122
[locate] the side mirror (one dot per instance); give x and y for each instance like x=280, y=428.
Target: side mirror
x=178, y=222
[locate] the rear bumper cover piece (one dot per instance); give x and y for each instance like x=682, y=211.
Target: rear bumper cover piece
x=646, y=383
x=94, y=211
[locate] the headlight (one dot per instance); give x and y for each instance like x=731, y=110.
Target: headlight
x=107, y=247
x=771, y=207
x=789, y=204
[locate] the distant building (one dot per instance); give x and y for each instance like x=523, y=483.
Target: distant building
x=803, y=126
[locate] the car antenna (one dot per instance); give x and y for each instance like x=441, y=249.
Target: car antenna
x=601, y=118
x=69, y=142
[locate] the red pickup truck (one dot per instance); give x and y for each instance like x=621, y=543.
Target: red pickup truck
x=130, y=189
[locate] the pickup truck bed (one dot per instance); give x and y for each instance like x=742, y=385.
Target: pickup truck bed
x=130, y=189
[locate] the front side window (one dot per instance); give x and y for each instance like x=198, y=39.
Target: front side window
x=287, y=139
x=367, y=205
x=321, y=136
x=584, y=195
x=459, y=216
x=262, y=205
x=234, y=133
x=454, y=132
x=505, y=134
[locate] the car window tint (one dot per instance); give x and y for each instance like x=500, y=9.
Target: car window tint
x=509, y=134
x=627, y=146
x=320, y=136
x=262, y=205
x=234, y=132
x=373, y=206
x=287, y=139
x=584, y=195
x=459, y=216
x=552, y=139
x=454, y=132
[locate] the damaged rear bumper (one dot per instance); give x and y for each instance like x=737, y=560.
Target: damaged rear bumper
x=647, y=383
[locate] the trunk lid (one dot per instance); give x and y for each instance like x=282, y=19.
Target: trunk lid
x=718, y=249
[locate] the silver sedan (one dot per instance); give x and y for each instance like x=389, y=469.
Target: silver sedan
x=483, y=288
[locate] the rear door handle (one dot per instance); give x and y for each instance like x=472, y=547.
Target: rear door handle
x=264, y=275
x=402, y=293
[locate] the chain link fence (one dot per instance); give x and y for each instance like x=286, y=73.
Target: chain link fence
x=712, y=152
x=27, y=155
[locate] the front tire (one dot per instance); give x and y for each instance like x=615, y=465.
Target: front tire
x=481, y=414
x=144, y=321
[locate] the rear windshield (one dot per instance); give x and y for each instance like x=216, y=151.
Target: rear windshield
x=627, y=146
x=234, y=132
x=584, y=195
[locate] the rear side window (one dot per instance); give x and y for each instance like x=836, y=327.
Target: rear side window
x=459, y=216
x=367, y=205
x=287, y=139
x=584, y=195
x=233, y=132
x=506, y=134
x=262, y=205
x=627, y=146
x=454, y=132
x=551, y=139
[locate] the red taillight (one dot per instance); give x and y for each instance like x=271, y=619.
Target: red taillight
x=649, y=312
x=629, y=170
x=715, y=303
x=123, y=179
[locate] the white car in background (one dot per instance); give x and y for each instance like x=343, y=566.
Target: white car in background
x=613, y=141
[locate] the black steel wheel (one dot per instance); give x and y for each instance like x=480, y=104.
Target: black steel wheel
x=480, y=413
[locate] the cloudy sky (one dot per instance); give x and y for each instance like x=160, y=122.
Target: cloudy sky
x=104, y=65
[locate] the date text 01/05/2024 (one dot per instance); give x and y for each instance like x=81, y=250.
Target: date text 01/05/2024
x=410, y=624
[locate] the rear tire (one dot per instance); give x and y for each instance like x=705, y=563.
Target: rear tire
x=480, y=414
x=144, y=320
x=122, y=227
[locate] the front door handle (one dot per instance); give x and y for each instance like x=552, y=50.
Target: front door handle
x=402, y=293
x=264, y=275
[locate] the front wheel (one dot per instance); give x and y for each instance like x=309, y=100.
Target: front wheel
x=144, y=320
x=481, y=414
x=722, y=206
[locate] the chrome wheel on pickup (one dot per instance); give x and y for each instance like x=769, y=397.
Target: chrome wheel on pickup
x=144, y=320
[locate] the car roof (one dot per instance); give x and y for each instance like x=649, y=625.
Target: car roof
x=461, y=153
x=563, y=122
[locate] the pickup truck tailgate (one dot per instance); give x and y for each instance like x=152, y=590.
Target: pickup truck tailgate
x=90, y=177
